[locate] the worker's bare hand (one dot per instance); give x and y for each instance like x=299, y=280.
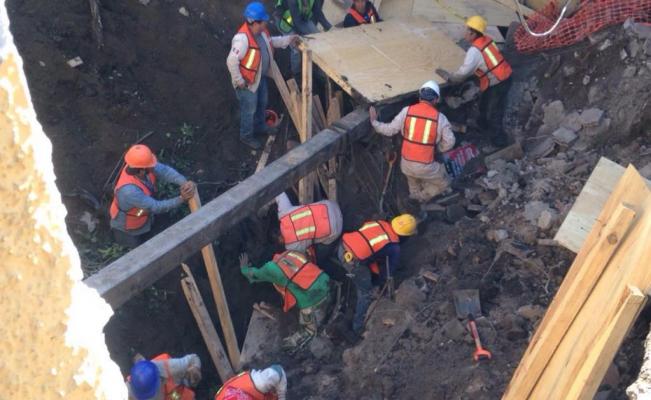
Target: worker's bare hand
x=372, y=113
x=240, y=85
x=443, y=73
x=193, y=375
x=293, y=40
x=244, y=260
x=187, y=190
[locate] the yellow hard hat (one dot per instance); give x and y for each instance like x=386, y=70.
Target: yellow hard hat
x=404, y=225
x=477, y=23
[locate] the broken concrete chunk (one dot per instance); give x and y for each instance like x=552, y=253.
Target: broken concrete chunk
x=533, y=210
x=629, y=71
x=605, y=44
x=623, y=54
x=597, y=130
x=184, y=11
x=572, y=121
x=546, y=219
x=497, y=235
x=591, y=117
x=569, y=70
x=75, y=62
x=596, y=94
x=531, y=312
x=554, y=113
x=321, y=347
x=564, y=136
x=642, y=31
x=586, y=80
x=454, y=330
x=633, y=48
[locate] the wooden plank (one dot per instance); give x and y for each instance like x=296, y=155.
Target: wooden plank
x=593, y=368
x=334, y=111
x=293, y=111
x=210, y=337
x=212, y=268
x=295, y=94
x=264, y=157
x=512, y=152
x=144, y=265
x=334, y=114
x=263, y=337
x=383, y=61
x=320, y=114
x=306, y=185
x=450, y=11
x=591, y=200
x=563, y=333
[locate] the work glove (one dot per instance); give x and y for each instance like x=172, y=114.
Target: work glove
x=443, y=74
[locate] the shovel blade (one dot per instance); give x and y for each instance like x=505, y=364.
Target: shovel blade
x=466, y=302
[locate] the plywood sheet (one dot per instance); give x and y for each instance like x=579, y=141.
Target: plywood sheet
x=588, y=205
x=449, y=11
x=385, y=60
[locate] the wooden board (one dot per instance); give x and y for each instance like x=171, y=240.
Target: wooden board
x=383, y=61
x=450, y=11
x=144, y=265
x=589, y=302
x=588, y=205
x=262, y=338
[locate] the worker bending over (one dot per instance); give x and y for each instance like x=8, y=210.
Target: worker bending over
x=133, y=202
x=484, y=60
x=264, y=384
x=300, y=283
x=360, y=13
x=301, y=227
x=248, y=63
x=164, y=378
x=423, y=129
x=360, y=251
x=299, y=17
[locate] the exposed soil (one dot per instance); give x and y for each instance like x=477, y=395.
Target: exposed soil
x=162, y=72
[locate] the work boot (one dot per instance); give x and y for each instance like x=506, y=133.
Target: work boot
x=251, y=141
x=295, y=342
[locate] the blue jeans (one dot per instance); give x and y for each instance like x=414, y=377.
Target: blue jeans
x=252, y=108
x=363, y=285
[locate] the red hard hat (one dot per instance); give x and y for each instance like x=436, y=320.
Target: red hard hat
x=271, y=118
x=140, y=156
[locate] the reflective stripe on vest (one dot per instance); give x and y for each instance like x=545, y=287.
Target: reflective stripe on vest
x=369, y=239
x=135, y=218
x=173, y=391
x=367, y=18
x=494, y=60
x=286, y=23
x=299, y=271
x=310, y=222
x=419, y=133
x=250, y=63
x=242, y=385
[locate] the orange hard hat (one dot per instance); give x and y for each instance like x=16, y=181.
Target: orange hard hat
x=140, y=156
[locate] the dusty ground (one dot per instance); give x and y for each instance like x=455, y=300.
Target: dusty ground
x=162, y=72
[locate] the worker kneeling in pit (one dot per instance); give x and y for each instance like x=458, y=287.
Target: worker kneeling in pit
x=423, y=129
x=266, y=384
x=300, y=283
x=303, y=227
x=360, y=251
x=164, y=378
x=133, y=196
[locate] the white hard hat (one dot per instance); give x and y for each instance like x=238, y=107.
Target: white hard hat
x=432, y=85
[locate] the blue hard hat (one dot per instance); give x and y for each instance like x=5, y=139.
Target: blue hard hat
x=256, y=12
x=145, y=380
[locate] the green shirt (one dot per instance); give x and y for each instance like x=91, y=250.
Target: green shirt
x=271, y=272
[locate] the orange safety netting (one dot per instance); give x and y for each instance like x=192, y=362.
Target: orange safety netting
x=592, y=16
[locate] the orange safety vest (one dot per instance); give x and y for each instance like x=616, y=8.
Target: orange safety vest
x=250, y=64
x=309, y=222
x=241, y=387
x=370, y=14
x=496, y=63
x=369, y=239
x=297, y=269
x=136, y=217
x=419, y=133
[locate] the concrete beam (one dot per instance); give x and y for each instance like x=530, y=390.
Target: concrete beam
x=144, y=265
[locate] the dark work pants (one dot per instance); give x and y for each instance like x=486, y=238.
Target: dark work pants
x=491, y=111
x=127, y=240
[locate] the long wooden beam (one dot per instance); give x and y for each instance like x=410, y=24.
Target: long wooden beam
x=144, y=265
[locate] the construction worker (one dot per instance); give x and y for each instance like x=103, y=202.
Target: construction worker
x=360, y=13
x=360, y=251
x=264, y=384
x=164, y=378
x=300, y=283
x=299, y=17
x=249, y=63
x=133, y=203
x=486, y=62
x=301, y=227
x=423, y=129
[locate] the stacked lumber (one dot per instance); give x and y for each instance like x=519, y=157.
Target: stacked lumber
x=597, y=303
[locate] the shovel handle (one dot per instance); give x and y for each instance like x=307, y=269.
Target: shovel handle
x=480, y=353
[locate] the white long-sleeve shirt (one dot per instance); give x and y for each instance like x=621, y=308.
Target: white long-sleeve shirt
x=239, y=47
x=444, y=139
x=272, y=379
x=285, y=206
x=471, y=63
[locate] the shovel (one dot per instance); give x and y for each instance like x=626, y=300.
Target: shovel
x=466, y=303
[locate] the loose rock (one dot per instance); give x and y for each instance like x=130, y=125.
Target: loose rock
x=184, y=11
x=321, y=347
x=591, y=117
x=564, y=135
x=531, y=312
